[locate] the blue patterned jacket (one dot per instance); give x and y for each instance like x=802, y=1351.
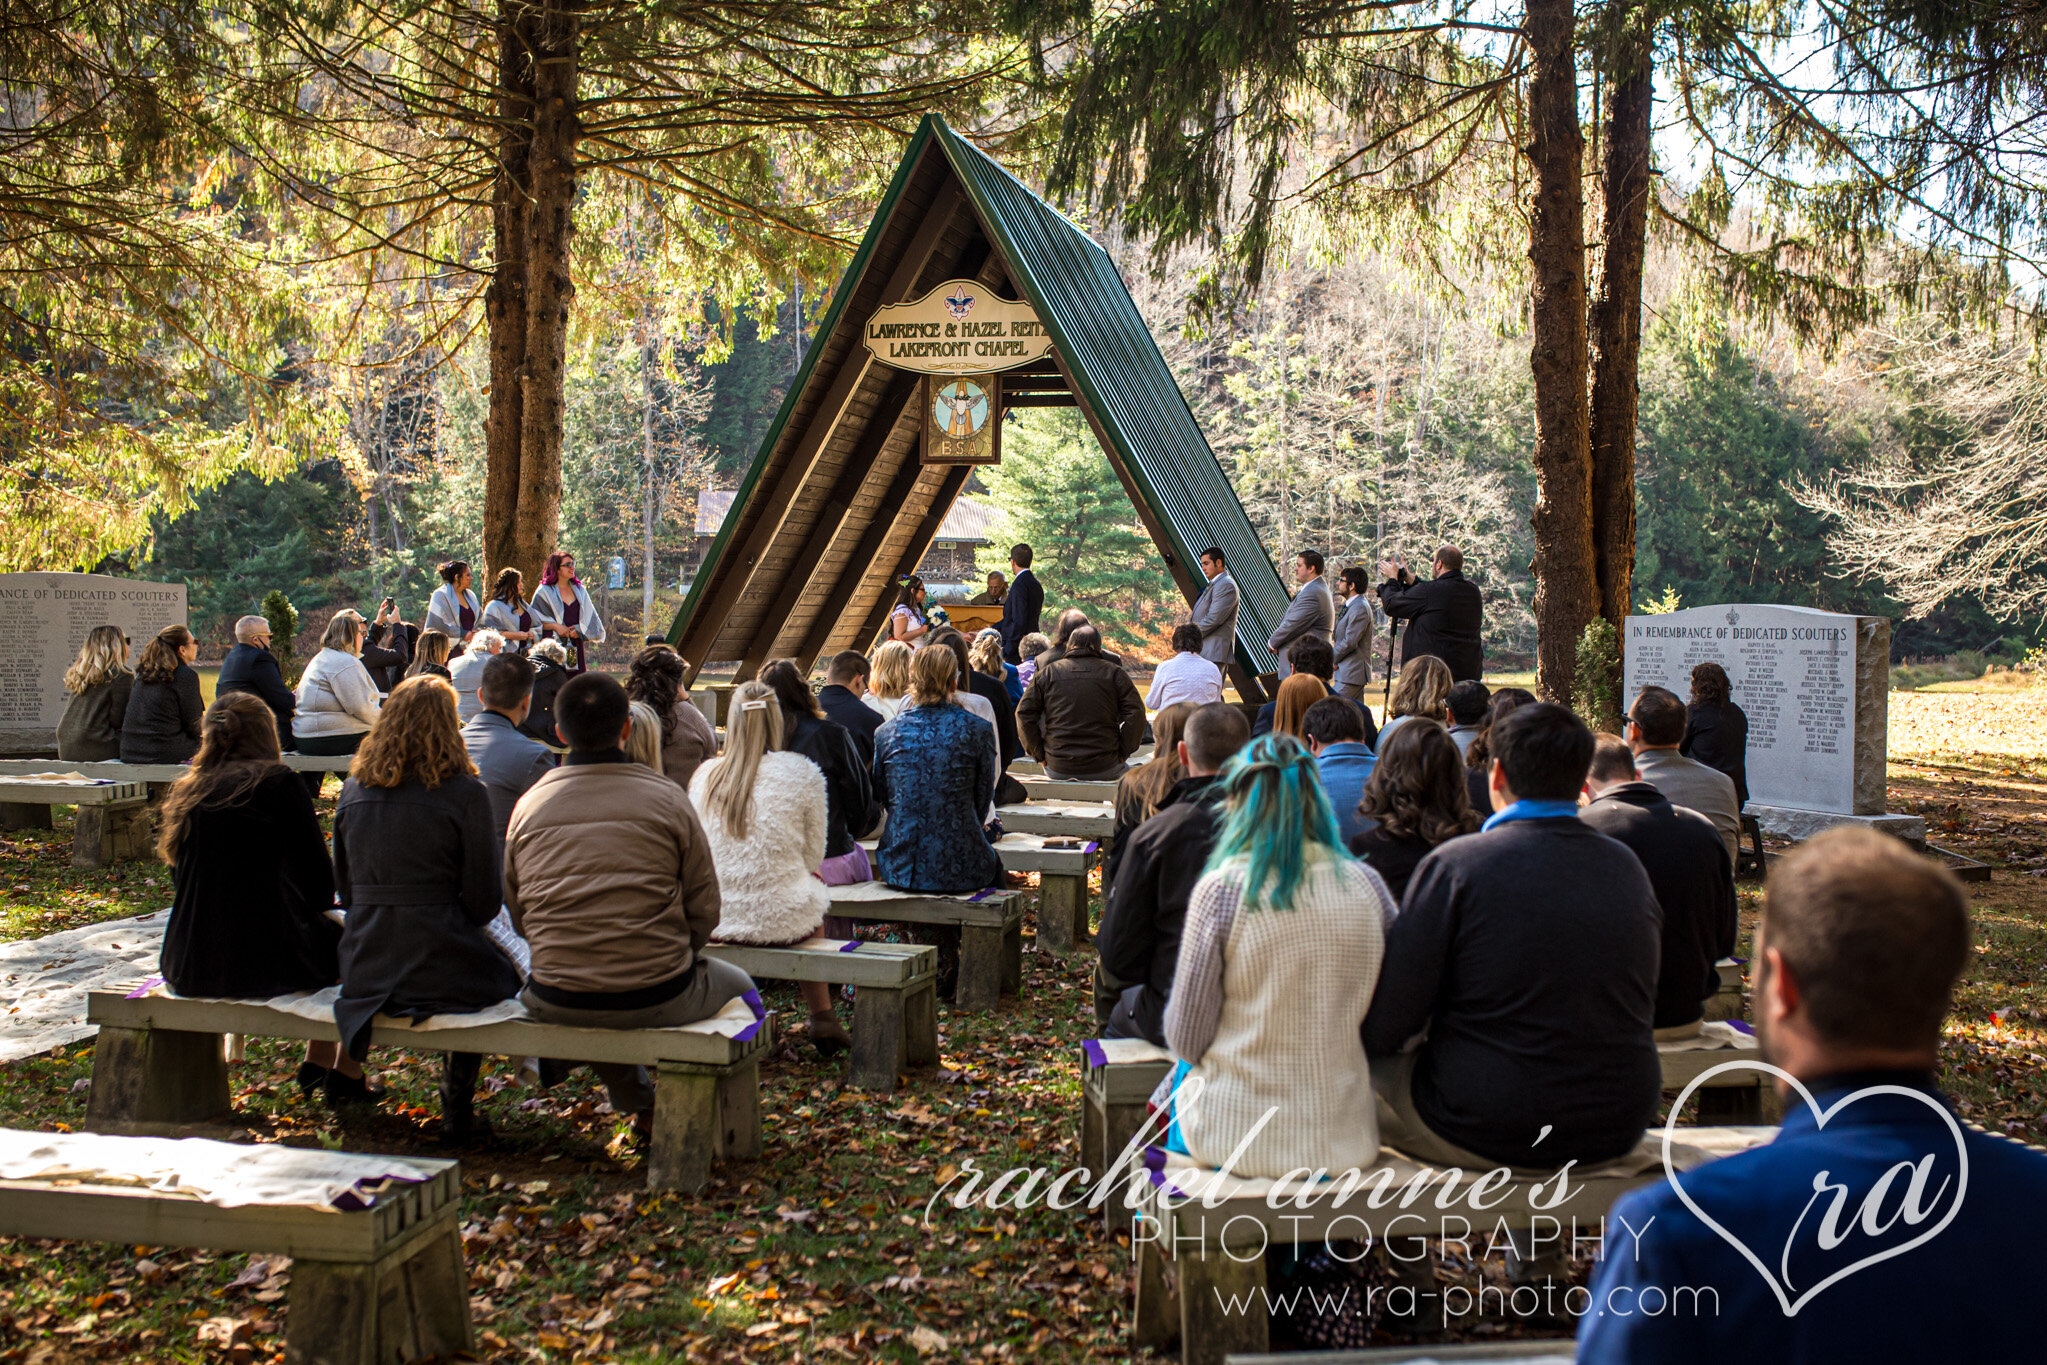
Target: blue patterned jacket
x=935, y=769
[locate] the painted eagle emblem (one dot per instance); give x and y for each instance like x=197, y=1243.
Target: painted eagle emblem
x=959, y=303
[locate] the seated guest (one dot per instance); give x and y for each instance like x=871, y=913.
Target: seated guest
x=1414, y=801
x=416, y=866
x=845, y=683
x=1313, y=656
x=935, y=770
x=430, y=656
x=643, y=745
x=1492, y=956
x=1070, y=620
x=1282, y=947
x=550, y=659
x=337, y=698
x=1716, y=730
x=251, y=667
x=98, y=683
x=1139, y=940
x=766, y=812
x=1030, y=650
x=1468, y=703
x=1186, y=677
x=507, y=760
x=888, y=685
x=1478, y=758
x=687, y=739
x=466, y=673
x=1422, y=689
x=1141, y=789
x=608, y=877
x=1336, y=738
x=849, y=796
x=980, y=693
x=1656, y=726
x=1081, y=716
x=252, y=882
x=384, y=647
x=161, y=724
x=986, y=655
x=1861, y=943
x=1290, y=707
x=1689, y=869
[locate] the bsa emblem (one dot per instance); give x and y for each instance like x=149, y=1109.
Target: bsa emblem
x=1733, y=617
x=959, y=303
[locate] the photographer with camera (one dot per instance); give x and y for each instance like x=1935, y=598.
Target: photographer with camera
x=1443, y=615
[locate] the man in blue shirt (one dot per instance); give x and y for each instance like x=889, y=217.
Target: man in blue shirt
x=1336, y=736
x=1869, y=1229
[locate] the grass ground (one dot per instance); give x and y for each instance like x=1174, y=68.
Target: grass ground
x=817, y=1250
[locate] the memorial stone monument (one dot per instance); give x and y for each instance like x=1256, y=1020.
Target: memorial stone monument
x=1816, y=688
x=44, y=618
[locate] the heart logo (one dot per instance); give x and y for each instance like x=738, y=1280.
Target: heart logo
x=1777, y=1284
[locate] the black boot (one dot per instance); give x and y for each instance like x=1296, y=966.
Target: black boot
x=341, y=1091
x=311, y=1078
x=460, y=1123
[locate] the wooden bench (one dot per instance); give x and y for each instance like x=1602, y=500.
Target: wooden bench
x=895, y=1007
x=1059, y=789
x=1062, y=884
x=159, y=774
x=1030, y=767
x=113, y=816
x=376, y=1277
x=1193, y=1257
x=159, y=1065
x=1726, y=1002
x=1082, y=820
x=990, y=922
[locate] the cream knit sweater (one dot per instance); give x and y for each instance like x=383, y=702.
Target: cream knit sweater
x=765, y=880
x=1265, y=1008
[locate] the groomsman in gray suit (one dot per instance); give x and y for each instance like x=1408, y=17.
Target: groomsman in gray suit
x=1353, y=635
x=1312, y=612
x=1215, y=611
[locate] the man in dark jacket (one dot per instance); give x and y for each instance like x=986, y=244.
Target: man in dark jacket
x=251, y=667
x=845, y=679
x=1688, y=867
x=1024, y=605
x=1081, y=716
x=1140, y=935
x=1443, y=616
x=1528, y=954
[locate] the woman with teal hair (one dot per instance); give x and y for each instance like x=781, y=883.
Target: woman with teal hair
x=1278, y=959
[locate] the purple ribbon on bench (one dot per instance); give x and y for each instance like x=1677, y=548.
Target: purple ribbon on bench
x=145, y=988
x=1740, y=1027
x=986, y=892
x=850, y=945
x=1092, y=1050
x=1092, y=845
x=1155, y=1164
x=760, y=1014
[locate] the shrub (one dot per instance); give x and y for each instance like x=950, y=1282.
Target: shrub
x=1596, y=690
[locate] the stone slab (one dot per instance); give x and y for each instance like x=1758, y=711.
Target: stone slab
x=1792, y=823
x=46, y=617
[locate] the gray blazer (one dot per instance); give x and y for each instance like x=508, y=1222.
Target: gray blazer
x=507, y=761
x=1215, y=613
x=1312, y=612
x=1689, y=783
x=1353, y=642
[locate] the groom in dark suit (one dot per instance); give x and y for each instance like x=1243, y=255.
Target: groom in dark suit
x=1024, y=605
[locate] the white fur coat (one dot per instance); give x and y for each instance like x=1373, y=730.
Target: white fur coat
x=765, y=880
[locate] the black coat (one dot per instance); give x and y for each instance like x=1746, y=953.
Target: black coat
x=992, y=691
x=859, y=720
x=848, y=795
x=417, y=868
x=1443, y=617
x=539, y=721
x=1717, y=736
x=1021, y=608
x=1139, y=939
x=162, y=724
x=1393, y=859
x=253, y=669
x=385, y=653
x=252, y=885
x=1687, y=865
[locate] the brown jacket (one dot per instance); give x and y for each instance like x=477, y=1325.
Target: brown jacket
x=693, y=744
x=1081, y=714
x=609, y=877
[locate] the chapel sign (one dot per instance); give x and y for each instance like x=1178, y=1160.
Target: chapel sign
x=959, y=327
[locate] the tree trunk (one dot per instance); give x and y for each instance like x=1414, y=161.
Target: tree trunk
x=1566, y=586
x=649, y=357
x=1616, y=326
x=528, y=303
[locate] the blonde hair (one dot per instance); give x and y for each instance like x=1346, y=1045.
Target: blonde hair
x=643, y=745
x=1423, y=688
x=99, y=659
x=1148, y=785
x=1296, y=695
x=344, y=633
x=754, y=728
x=986, y=655
x=432, y=648
x=889, y=670
x=932, y=672
x=417, y=735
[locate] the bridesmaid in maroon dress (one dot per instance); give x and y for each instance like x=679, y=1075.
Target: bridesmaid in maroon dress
x=564, y=609
x=508, y=614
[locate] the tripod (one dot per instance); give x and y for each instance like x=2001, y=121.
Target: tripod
x=1392, y=638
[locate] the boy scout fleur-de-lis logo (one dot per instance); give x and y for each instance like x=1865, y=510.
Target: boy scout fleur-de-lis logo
x=1733, y=617
x=959, y=303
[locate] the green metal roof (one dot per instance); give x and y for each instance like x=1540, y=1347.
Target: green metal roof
x=1120, y=379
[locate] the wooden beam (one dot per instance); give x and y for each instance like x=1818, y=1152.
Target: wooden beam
x=736, y=566
x=1038, y=400
x=920, y=541
x=900, y=399
x=857, y=563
